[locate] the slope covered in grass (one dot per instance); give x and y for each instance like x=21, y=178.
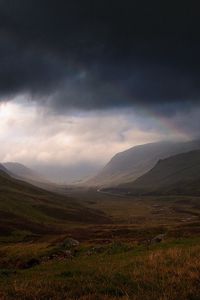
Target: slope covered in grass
x=130, y=164
x=26, y=208
x=179, y=174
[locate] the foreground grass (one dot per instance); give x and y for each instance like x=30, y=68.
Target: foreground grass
x=114, y=259
x=168, y=271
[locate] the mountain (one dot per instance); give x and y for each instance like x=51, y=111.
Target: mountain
x=179, y=174
x=22, y=172
x=26, y=210
x=2, y=168
x=128, y=165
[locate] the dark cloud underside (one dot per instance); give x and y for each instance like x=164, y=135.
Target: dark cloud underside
x=98, y=54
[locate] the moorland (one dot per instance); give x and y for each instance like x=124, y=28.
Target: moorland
x=86, y=244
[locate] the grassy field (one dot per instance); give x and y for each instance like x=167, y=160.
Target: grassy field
x=117, y=256
x=117, y=270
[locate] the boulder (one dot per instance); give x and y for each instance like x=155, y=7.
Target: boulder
x=68, y=254
x=158, y=239
x=69, y=243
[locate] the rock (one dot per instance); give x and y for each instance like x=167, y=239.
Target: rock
x=68, y=254
x=70, y=243
x=94, y=250
x=158, y=239
x=60, y=255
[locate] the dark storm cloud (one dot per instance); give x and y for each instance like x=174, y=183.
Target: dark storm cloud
x=98, y=54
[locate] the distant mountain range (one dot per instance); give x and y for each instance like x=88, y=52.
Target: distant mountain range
x=2, y=168
x=129, y=165
x=179, y=174
x=22, y=172
x=151, y=169
x=162, y=167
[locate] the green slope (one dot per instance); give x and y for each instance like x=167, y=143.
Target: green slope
x=129, y=165
x=24, y=207
x=179, y=174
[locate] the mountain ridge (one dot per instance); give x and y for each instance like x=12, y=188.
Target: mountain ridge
x=22, y=172
x=178, y=174
x=128, y=165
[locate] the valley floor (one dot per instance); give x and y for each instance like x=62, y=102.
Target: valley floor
x=144, y=248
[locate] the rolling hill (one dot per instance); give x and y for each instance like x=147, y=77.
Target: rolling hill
x=22, y=172
x=179, y=174
x=2, y=168
x=128, y=165
x=27, y=210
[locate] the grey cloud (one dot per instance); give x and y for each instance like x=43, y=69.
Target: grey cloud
x=102, y=54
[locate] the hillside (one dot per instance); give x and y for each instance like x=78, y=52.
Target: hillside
x=128, y=165
x=2, y=168
x=27, y=210
x=179, y=174
x=22, y=172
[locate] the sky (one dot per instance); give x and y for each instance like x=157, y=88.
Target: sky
x=83, y=80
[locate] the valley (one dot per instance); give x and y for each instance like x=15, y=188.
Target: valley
x=99, y=150
x=113, y=236
x=137, y=240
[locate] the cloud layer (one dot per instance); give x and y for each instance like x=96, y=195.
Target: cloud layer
x=75, y=145
x=82, y=80
x=100, y=54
